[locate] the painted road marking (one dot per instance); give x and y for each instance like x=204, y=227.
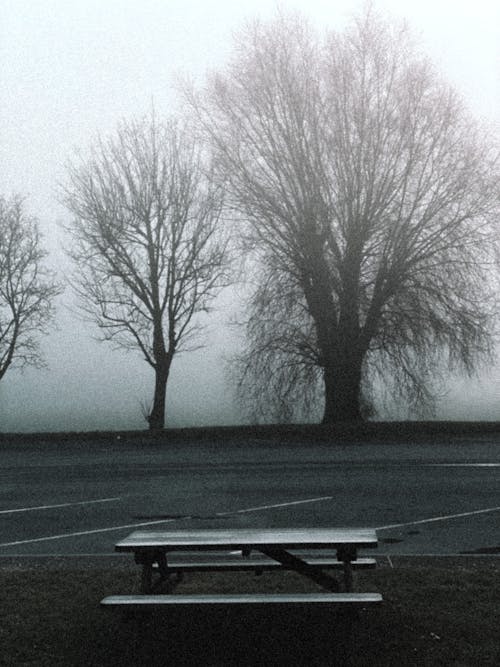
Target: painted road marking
x=154, y=523
x=109, y=529
x=51, y=507
x=463, y=465
x=445, y=517
x=84, y=532
x=270, y=507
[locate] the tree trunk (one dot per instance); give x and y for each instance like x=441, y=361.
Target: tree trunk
x=342, y=391
x=337, y=332
x=157, y=415
x=344, y=359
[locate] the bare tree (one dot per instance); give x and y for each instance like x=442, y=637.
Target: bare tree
x=27, y=287
x=147, y=244
x=369, y=196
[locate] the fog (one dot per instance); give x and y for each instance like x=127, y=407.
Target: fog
x=70, y=70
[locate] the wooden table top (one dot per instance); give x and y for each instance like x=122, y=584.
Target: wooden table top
x=247, y=538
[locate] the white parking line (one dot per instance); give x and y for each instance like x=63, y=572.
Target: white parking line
x=84, y=532
x=463, y=465
x=50, y=507
x=439, y=518
x=109, y=529
x=154, y=523
x=270, y=507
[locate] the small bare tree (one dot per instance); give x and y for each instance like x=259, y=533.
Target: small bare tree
x=27, y=287
x=147, y=243
x=370, y=198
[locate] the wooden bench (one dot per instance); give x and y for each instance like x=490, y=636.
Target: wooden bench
x=176, y=552
x=233, y=563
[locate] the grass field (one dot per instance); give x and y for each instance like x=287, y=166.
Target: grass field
x=431, y=615
x=367, y=431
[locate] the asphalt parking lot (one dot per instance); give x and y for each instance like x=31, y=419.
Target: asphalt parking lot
x=78, y=498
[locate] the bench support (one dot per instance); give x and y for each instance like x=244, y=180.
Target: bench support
x=347, y=555
x=294, y=563
x=148, y=560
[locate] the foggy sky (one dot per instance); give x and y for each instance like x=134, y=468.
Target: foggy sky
x=70, y=70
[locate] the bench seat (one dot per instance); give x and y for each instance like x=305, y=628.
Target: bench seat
x=262, y=599
x=217, y=562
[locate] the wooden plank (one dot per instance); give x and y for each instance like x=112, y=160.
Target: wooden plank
x=329, y=599
x=204, y=564
x=244, y=539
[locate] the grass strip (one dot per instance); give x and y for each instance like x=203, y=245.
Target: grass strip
x=431, y=615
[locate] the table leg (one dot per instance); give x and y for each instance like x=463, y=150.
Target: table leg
x=348, y=581
x=347, y=555
x=161, y=559
x=147, y=576
x=146, y=560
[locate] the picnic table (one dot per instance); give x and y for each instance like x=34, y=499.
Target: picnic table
x=308, y=551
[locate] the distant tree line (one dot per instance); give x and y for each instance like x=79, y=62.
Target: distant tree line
x=346, y=177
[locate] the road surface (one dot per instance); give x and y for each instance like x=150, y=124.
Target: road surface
x=81, y=497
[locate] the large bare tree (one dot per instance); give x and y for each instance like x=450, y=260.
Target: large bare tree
x=146, y=242
x=27, y=287
x=369, y=198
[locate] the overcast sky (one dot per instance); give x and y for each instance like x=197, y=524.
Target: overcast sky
x=72, y=69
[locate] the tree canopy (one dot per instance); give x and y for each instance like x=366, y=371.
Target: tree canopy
x=369, y=198
x=147, y=245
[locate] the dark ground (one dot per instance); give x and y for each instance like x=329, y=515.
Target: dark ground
x=431, y=615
